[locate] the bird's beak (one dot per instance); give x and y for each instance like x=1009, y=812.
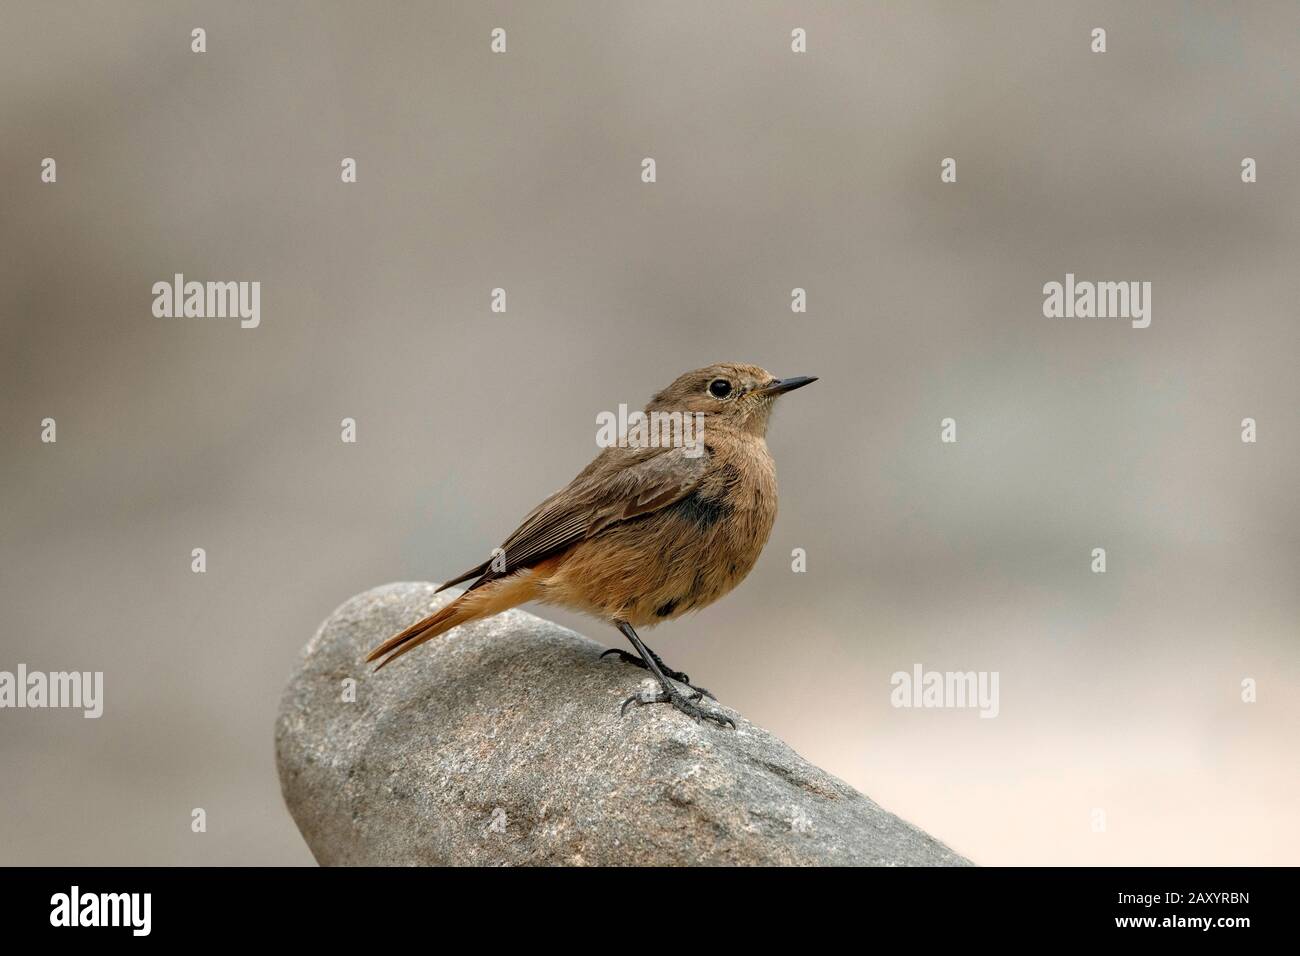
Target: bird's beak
x=782, y=385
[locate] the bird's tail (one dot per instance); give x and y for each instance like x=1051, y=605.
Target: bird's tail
x=492, y=598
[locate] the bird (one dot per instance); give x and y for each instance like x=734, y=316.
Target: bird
x=649, y=530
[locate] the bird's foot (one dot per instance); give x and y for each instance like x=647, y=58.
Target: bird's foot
x=635, y=661
x=624, y=656
x=670, y=695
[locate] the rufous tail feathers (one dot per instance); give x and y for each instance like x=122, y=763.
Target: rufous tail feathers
x=492, y=598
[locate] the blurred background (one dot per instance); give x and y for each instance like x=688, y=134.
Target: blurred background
x=1119, y=691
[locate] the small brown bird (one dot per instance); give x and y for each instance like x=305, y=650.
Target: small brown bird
x=646, y=532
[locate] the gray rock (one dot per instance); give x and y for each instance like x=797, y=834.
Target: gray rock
x=501, y=743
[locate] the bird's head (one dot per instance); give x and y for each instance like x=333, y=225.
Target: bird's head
x=738, y=396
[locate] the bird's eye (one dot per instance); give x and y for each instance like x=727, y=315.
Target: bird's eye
x=719, y=388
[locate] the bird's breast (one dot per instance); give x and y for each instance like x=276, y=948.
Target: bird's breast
x=681, y=557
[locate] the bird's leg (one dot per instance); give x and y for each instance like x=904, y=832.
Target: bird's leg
x=678, y=676
x=668, y=694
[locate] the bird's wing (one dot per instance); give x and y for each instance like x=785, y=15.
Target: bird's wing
x=620, y=484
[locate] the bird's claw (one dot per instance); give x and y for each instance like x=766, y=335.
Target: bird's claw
x=623, y=656
x=679, y=703
x=697, y=692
